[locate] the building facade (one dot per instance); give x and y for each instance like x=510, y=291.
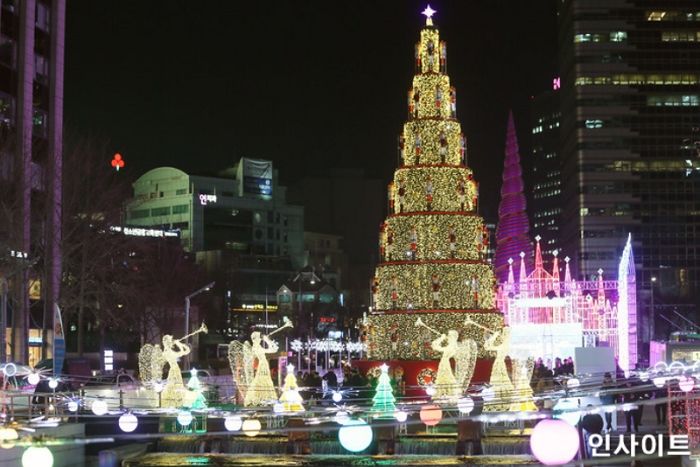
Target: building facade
x=630, y=97
x=545, y=174
x=32, y=36
x=244, y=233
x=325, y=255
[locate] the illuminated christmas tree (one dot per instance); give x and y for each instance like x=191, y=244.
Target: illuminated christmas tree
x=433, y=243
x=512, y=233
x=195, y=398
x=384, y=399
x=290, y=398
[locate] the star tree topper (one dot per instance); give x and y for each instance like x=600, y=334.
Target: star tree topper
x=428, y=12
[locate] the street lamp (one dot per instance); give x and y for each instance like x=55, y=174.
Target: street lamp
x=206, y=288
x=652, y=327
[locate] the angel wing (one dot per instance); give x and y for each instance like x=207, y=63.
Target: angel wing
x=151, y=363
x=465, y=361
x=240, y=359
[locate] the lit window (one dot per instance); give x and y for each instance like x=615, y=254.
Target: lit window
x=582, y=38
x=618, y=36
x=594, y=124
x=656, y=15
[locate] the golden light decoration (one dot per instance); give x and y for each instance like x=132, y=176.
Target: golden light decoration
x=429, y=35
x=463, y=286
x=433, y=235
x=433, y=97
x=414, y=342
x=425, y=135
x=445, y=182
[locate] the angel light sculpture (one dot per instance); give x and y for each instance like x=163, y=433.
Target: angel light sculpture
x=448, y=384
x=253, y=378
x=523, y=399
x=499, y=342
x=152, y=360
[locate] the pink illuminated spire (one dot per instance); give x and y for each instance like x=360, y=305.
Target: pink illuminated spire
x=513, y=225
x=538, y=253
x=511, y=278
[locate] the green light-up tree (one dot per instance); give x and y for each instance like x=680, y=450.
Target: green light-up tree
x=384, y=399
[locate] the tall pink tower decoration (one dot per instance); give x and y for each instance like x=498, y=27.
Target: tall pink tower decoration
x=513, y=224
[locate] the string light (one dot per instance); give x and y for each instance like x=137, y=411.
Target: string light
x=401, y=416
x=446, y=199
x=465, y=405
x=414, y=342
x=53, y=383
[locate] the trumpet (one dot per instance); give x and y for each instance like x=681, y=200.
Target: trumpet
x=468, y=321
x=419, y=322
x=287, y=324
x=202, y=328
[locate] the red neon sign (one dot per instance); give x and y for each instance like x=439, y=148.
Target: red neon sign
x=118, y=162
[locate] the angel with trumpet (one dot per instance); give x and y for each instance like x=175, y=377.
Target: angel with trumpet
x=447, y=383
x=254, y=381
x=152, y=359
x=498, y=342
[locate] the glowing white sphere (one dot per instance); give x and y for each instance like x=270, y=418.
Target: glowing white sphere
x=99, y=407
x=401, y=416
x=355, y=435
x=278, y=407
x=465, y=405
x=676, y=366
x=337, y=396
x=33, y=378
x=488, y=394
x=37, y=457
x=128, y=422
x=554, y=442
x=342, y=417
x=53, y=383
x=565, y=409
x=573, y=383
x=8, y=434
x=72, y=406
x=251, y=427
x=686, y=384
x=158, y=387
x=233, y=423
x=643, y=376
x=10, y=369
x=184, y=418
x=659, y=381
x=430, y=390
x=660, y=367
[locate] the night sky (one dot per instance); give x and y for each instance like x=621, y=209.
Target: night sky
x=310, y=85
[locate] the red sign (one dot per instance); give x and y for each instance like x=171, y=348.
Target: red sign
x=327, y=319
x=118, y=162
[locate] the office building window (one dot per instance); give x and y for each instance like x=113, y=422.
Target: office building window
x=181, y=191
x=139, y=213
x=674, y=100
x=618, y=36
x=180, y=209
x=594, y=124
x=160, y=211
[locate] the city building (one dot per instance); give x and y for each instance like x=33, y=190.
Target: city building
x=31, y=138
x=333, y=203
x=630, y=98
x=324, y=254
x=544, y=179
x=313, y=304
x=239, y=224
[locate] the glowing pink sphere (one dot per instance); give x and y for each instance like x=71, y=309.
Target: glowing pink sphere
x=686, y=384
x=430, y=414
x=554, y=442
